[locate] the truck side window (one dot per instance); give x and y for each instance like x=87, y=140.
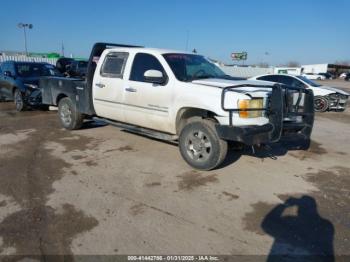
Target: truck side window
x=113, y=65
x=287, y=80
x=11, y=68
x=297, y=83
x=271, y=78
x=142, y=63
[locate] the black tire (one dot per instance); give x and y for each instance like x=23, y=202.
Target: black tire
x=19, y=101
x=68, y=114
x=200, y=145
x=321, y=104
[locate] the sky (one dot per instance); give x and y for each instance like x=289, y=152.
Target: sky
x=271, y=31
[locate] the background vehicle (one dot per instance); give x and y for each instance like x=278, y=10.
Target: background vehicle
x=328, y=75
x=347, y=77
x=181, y=97
x=77, y=69
x=314, y=76
x=62, y=63
x=325, y=98
x=19, y=82
x=343, y=75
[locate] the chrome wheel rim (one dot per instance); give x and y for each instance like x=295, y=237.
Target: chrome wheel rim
x=319, y=104
x=198, y=146
x=66, y=114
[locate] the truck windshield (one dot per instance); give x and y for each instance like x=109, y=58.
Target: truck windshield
x=189, y=67
x=308, y=81
x=36, y=70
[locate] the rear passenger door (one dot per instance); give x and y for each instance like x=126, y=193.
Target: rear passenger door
x=108, y=86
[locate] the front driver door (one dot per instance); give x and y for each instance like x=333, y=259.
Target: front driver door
x=147, y=104
x=108, y=86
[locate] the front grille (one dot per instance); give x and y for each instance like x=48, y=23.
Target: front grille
x=294, y=101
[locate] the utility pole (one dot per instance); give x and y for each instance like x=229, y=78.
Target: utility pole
x=187, y=39
x=62, y=49
x=24, y=26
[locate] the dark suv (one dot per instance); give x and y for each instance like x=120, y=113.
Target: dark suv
x=19, y=82
x=77, y=69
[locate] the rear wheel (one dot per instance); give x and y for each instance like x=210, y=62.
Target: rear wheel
x=321, y=104
x=69, y=116
x=200, y=146
x=19, y=101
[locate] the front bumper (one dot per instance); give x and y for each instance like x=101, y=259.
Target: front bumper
x=249, y=135
x=280, y=107
x=337, y=103
x=33, y=97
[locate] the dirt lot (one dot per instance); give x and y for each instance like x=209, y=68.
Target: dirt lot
x=101, y=190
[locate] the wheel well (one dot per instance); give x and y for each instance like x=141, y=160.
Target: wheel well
x=187, y=113
x=59, y=97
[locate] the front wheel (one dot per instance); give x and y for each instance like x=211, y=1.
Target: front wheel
x=321, y=104
x=19, y=101
x=200, y=145
x=68, y=114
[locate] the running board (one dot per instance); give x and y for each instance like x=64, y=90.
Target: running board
x=139, y=130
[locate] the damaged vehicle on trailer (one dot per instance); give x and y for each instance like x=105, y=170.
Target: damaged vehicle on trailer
x=19, y=81
x=182, y=97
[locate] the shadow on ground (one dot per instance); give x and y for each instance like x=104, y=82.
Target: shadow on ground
x=299, y=231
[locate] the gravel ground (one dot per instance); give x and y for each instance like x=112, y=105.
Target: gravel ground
x=101, y=190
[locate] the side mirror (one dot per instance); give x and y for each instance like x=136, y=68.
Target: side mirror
x=154, y=76
x=8, y=73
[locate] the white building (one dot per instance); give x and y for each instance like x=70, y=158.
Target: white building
x=287, y=70
x=316, y=68
x=324, y=68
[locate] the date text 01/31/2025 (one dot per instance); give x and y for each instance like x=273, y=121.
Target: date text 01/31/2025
x=173, y=258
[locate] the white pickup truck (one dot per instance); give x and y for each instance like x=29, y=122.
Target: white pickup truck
x=179, y=96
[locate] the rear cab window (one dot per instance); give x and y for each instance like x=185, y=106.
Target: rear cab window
x=114, y=64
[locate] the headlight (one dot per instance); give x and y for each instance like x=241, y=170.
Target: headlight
x=32, y=86
x=338, y=96
x=255, y=103
x=333, y=96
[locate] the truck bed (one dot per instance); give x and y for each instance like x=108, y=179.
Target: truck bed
x=55, y=88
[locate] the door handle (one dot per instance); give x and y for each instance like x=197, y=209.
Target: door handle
x=130, y=89
x=100, y=85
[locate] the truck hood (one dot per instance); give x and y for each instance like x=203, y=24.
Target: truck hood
x=333, y=90
x=221, y=83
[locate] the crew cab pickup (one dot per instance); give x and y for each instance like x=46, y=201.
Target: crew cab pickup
x=179, y=96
